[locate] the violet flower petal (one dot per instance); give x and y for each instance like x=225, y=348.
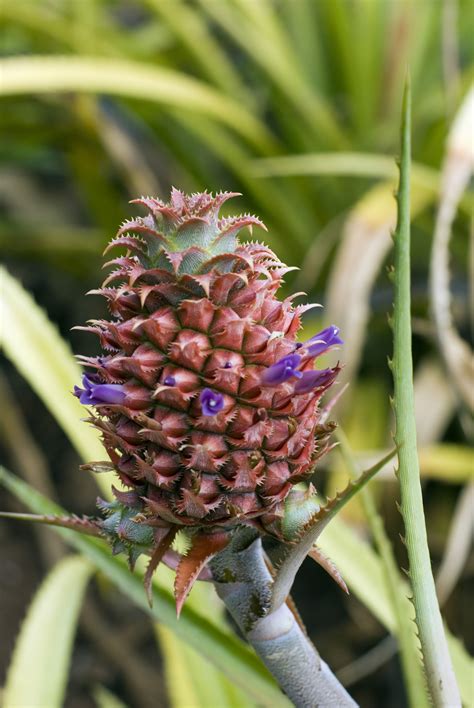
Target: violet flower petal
x=314, y=379
x=95, y=394
x=323, y=340
x=282, y=370
x=109, y=393
x=211, y=402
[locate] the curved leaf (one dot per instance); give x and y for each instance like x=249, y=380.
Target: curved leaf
x=129, y=79
x=39, y=669
x=191, y=682
x=458, y=168
x=350, y=164
x=305, y=532
x=405, y=628
x=33, y=343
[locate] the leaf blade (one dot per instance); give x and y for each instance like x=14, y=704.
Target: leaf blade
x=32, y=342
x=43, y=649
x=439, y=672
x=405, y=628
x=129, y=79
x=294, y=555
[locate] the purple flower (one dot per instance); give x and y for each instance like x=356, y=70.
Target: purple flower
x=169, y=381
x=323, y=340
x=282, y=370
x=211, y=402
x=314, y=379
x=95, y=394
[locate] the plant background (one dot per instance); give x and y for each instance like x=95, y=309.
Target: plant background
x=296, y=104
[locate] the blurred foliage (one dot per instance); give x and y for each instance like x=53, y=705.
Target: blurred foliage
x=294, y=103
x=306, y=76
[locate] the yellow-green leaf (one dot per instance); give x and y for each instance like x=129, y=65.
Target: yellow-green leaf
x=39, y=669
x=129, y=79
x=38, y=351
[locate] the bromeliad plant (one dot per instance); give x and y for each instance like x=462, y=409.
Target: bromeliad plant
x=209, y=410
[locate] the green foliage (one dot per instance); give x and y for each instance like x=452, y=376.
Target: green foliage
x=220, y=647
x=305, y=521
x=39, y=668
x=230, y=82
x=36, y=348
x=91, y=75
x=361, y=567
x=405, y=630
x=189, y=682
x=436, y=659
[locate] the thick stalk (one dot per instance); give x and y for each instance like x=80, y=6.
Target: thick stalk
x=244, y=583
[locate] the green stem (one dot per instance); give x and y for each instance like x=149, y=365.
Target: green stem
x=440, y=676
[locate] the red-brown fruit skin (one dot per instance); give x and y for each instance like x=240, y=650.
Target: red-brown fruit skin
x=207, y=329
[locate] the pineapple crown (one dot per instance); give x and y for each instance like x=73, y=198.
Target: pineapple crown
x=186, y=235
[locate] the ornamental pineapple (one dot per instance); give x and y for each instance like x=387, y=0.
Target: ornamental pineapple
x=207, y=404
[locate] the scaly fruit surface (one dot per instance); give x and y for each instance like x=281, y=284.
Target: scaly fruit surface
x=207, y=404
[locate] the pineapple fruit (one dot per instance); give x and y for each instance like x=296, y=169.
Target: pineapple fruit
x=207, y=404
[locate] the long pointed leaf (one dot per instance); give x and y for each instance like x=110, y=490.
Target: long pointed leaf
x=33, y=343
x=440, y=675
x=190, y=27
x=191, y=682
x=405, y=630
x=268, y=48
x=39, y=669
x=314, y=526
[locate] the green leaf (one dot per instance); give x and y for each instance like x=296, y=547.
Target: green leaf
x=39, y=669
x=256, y=29
x=223, y=649
x=35, y=347
x=326, y=163
x=439, y=672
x=362, y=569
x=447, y=462
x=129, y=79
x=405, y=628
x=350, y=164
x=190, y=27
x=32, y=343
x=307, y=530
x=190, y=681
